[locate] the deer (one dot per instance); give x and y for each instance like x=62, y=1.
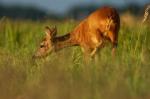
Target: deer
x=90, y=34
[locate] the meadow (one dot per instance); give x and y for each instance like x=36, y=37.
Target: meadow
x=63, y=75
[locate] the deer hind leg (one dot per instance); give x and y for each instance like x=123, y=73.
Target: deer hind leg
x=113, y=36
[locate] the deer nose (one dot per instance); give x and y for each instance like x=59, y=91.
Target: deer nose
x=34, y=57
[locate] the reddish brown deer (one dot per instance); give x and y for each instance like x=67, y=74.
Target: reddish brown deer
x=103, y=24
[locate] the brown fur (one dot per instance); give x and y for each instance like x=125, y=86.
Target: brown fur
x=102, y=24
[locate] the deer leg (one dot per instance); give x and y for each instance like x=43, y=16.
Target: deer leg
x=96, y=48
x=90, y=53
x=113, y=51
x=93, y=52
x=95, y=55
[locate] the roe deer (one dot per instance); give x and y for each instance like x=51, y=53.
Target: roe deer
x=103, y=24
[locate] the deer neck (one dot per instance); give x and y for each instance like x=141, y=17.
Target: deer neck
x=63, y=42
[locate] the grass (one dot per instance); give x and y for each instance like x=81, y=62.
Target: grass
x=63, y=75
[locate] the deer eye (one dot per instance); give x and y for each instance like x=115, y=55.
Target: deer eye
x=41, y=46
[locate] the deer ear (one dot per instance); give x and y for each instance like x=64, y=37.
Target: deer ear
x=47, y=31
x=54, y=31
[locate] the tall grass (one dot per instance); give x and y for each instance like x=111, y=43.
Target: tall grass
x=63, y=75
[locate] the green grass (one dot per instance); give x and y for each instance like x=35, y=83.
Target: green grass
x=63, y=75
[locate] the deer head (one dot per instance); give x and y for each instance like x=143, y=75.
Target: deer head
x=47, y=44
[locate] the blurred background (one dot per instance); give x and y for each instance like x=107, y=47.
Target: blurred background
x=60, y=9
x=64, y=75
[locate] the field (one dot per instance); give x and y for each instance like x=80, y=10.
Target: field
x=63, y=75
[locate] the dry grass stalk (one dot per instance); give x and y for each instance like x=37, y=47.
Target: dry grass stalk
x=146, y=14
